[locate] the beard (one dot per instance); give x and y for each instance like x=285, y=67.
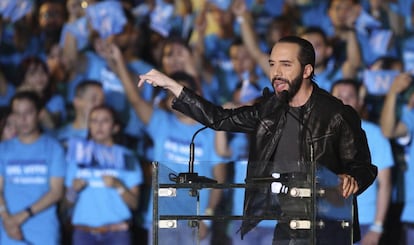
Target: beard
x=294, y=86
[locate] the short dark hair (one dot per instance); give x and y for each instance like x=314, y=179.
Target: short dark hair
x=352, y=82
x=387, y=62
x=316, y=30
x=306, y=53
x=28, y=95
x=118, y=137
x=330, y=3
x=27, y=62
x=81, y=87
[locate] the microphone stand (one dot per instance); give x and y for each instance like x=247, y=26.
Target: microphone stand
x=191, y=176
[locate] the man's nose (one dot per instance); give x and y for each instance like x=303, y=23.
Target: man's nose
x=276, y=71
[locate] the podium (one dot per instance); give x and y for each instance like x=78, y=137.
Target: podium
x=307, y=205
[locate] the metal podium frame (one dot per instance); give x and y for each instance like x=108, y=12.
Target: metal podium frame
x=309, y=202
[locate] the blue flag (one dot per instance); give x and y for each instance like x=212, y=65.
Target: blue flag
x=106, y=17
x=14, y=10
x=379, y=82
x=79, y=30
x=161, y=18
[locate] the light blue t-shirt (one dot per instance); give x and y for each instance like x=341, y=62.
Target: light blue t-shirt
x=97, y=204
x=217, y=51
x=408, y=211
x=135, y=127
x=232, y=80
x=66, y=132
x=381, y=156
x=26, y=170
x=114, y=90
x=56, y=104
x=327, y=78
x=172, y=139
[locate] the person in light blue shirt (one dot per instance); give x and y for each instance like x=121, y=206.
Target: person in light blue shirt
x=328, y=64
x=338, y=18
x=35, y=76
x=378, y=195
x=171, y=134
x=394, y=128
x=102, y=182
x=328, y=68
x=31, y=183
x=89, y=94
x=99, y=68
x=244, y=68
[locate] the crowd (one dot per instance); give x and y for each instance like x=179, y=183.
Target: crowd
x=78, y=135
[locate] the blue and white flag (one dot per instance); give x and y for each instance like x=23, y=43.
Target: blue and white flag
x=107, y=18
x=379, y=82
x=161, y=17
x=14, y=10
x=248, y=91
x=366, y=22
x=79, y=30
x=380, y=40
x=408, y=58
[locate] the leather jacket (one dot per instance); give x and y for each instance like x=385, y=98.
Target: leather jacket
x=339, y=143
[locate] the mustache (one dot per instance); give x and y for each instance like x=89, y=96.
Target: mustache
x=281, y=79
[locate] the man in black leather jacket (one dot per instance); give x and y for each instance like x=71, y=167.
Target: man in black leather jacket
x=299, y=122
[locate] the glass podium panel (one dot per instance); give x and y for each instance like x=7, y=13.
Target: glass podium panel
x=170, y=203
x=306, y=203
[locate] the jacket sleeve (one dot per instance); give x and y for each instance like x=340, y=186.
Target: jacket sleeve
x=355, y=151
x=242, y=119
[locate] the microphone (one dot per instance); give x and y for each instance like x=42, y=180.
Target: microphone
x=191, y=176
x=284, y=97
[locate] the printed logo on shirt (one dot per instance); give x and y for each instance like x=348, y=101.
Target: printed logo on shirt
x=110, y=81
x=177, y=151
x=27, y=172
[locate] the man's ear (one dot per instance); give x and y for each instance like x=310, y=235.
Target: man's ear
x=307, y=71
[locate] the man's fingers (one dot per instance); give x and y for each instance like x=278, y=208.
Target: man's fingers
x=349, y=185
